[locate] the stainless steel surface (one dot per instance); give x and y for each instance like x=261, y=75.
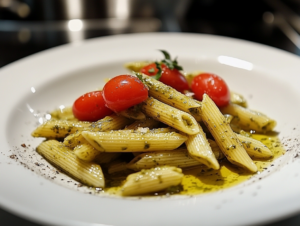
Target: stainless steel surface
x=88, y=9
x=56, y=22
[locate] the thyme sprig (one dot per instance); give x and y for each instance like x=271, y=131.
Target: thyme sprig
x=159, y=73
x=172, y=64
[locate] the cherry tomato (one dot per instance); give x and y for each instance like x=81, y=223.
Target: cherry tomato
x=214, y=86
x=90, y=107
x=169, y=77
x=124, y=91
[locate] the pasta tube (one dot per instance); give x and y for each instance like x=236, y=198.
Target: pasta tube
x=216, y=150
x=64, y=158
x=63, y=114
x=249, y=119
x=136, y=66
x=74, y=139
x=170, y=96
x=86, y=152
x=224, y=136
x=171, y=116
x=179, y=158
x=127, y=141
x=151, y=180
x=112, y=122
x=133, y=114
x=255, y=148
x=238, y=99
x=59, y=129
x=148, y=122
x=163, y=130
x=62, y=128
x=199, y=149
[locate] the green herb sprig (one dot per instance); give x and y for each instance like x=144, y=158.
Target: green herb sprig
x=172, y=64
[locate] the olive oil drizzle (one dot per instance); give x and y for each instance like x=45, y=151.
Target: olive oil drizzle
x=201, y=180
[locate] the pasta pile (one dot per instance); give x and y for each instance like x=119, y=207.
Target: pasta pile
x=169, y=133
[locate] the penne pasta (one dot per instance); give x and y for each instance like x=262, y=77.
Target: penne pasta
x=224, y=136
x=112, y=122
x=136, y=66
x=199, y=149
x=127, y=141
x=163, y=130
x=74, y=139
x=132, y=113
x=62, y=128
x=64, y=158
x=86, y=152
x=151, y=180
x=238, y=99
x=171, y=116
x=148, y=122
x=178, y=157
x=170, y=96
x=216, y=150
x=63, y=114
x=59, y=129
x=255, y=148
x=248, y=119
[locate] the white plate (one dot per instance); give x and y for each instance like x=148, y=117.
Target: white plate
x=267, y=77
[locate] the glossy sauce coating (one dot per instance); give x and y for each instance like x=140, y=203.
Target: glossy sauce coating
x=200, y=180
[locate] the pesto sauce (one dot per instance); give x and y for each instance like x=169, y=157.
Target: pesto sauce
x=200, y=180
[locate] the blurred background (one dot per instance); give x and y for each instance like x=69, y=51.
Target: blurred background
x=31, y=26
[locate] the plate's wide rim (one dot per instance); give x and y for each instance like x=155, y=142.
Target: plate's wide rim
x=106, y=42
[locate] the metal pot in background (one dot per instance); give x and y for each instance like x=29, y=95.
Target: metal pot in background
x=61, y=21
x=29, y=26
x=91, y=9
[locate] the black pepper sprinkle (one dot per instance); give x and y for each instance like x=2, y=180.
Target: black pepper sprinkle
x=12, y=156
x=23, y=145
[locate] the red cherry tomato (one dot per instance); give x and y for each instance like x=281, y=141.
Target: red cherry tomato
x=214, y=86
x=90, y=107
x=124, y=91
x=169, y=77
